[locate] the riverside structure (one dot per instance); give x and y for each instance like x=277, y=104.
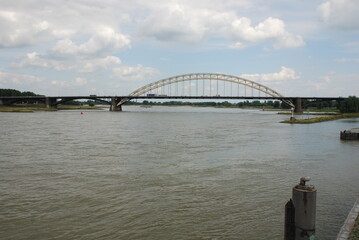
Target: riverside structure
x=188, y=86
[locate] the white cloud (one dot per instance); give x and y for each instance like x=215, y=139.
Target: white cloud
x=345, y=60
x=272, y=29
x=334, y=84
x=136, y=73
x=35, y=22
x=77, y=82
x=341, y=14
x=8, y=16
x=18, y=29
x=76, y=63
x=90, y=55
x=273, y=78
x=22, y=82
x=81, y=81
x=60, y=83
x=174, y=23
x=93, y=65
x=180, y=23
x=237, y=45
x=33, y=59
x=184, y=23
x=166, y=21
x=104, y=41
x=17, y=79
x=82, y=37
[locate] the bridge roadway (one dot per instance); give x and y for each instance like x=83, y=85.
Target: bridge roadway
x=114, y=101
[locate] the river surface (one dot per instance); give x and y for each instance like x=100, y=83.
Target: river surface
x=168, y=173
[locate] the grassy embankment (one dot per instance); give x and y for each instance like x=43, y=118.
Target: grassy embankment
x=322, y=119
x=78, y=107
x=41, y=107
x=316, y=111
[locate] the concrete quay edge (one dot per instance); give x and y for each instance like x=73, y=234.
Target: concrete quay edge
x=349, y=222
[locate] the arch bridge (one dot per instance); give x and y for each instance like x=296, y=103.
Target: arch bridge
x=187, y=86
x=205, y=86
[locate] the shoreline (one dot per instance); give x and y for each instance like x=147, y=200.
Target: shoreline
x=321, y=119
x=350, y=228
x=38, y=108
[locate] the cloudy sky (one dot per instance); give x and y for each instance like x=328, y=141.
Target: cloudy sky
x=112, y=47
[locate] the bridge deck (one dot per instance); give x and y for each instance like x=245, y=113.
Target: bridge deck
x=169, y=97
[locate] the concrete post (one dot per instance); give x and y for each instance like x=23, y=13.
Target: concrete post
x=298, y=105
x=300, y=212
x=304, y=201
x=114, y=102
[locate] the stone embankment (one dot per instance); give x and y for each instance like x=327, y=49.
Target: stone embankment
x=350, y=228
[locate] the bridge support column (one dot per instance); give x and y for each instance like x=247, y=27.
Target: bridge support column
x=114, y=102
x=50, y=102
x=4, y=102
x=298, y=105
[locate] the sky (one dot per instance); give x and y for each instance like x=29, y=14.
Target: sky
x=306, y=48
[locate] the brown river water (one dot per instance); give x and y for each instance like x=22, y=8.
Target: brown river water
x=168, y=173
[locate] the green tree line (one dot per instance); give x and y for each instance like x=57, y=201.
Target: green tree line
x=14, y=93
x=349, y=105
x=256, y=103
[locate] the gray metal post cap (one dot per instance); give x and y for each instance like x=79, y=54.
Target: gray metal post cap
x=303, y=180
x=302, y=187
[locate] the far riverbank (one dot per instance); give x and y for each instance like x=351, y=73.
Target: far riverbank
x=34, y=108
x=321, y=119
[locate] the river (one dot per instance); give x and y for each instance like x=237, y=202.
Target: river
x=168, y=173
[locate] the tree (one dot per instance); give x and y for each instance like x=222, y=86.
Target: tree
x=27, y=93
x=72, y=102
x=225, y=104
x=349, y=105
x=9, y=92
x=284, y=105
x=14, y=92
x=276, y=104
x=256, y=103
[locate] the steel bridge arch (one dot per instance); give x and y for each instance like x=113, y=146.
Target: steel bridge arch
x=206, y=76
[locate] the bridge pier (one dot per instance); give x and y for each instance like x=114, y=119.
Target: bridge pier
x=1, y=103
x=50, y=102
x=298, y=105
x=4, y=102
x=114, y=107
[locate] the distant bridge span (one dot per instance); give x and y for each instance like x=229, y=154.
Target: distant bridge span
x=209, y=77
x=187, y=86
x=113, y=101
